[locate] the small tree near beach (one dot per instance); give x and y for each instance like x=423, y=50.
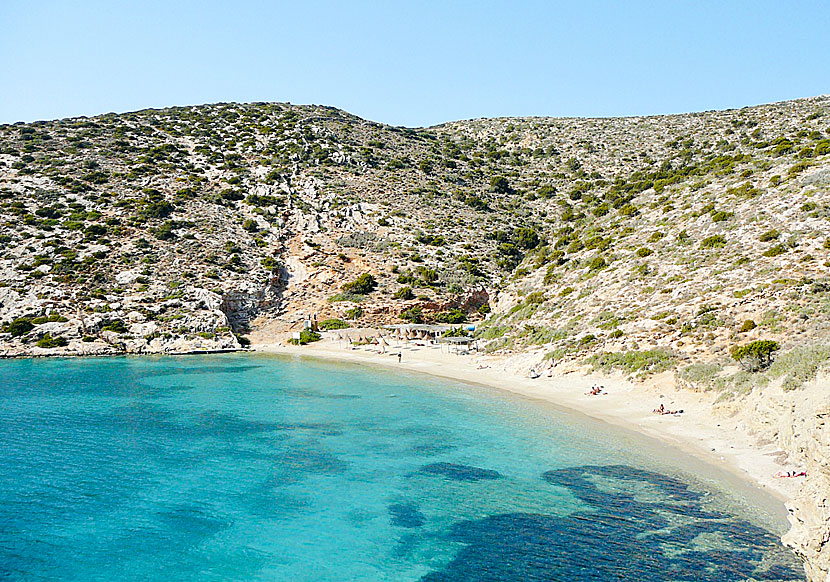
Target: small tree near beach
x=756, y=355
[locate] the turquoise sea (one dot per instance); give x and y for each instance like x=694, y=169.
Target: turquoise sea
x=250, y=467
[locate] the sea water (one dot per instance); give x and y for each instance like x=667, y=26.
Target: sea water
x=247, y=467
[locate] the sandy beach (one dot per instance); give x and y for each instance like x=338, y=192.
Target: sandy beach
x=697, y=431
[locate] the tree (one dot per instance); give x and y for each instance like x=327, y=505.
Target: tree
x=756, y=355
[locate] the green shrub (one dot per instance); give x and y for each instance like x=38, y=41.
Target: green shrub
x=452, y=316
x=629, y=210
x=644, y=252
x=155, y=206
x=404, y=293
x=597, y=263
x=428, y=276
x=95, y=230
x=18, y=327
x=354, y=312
x=48, y=319
x=115, y=325
x=165, y=231
x=775, y=251
x=47, y=341
x=748, y=325
x=769, y=235
x=363, y=285
x=713, y=242
x=527, y=238
x=722, y=216
x=456, y=332
x=434, y=240
x=500, y=185
x=328, y=324
x=755, y=355
x=271, y=264
x=745, y=190
x=306, y=337
x=353, y=297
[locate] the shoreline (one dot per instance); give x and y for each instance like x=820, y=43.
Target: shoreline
x=698, y=432
x=62, y=355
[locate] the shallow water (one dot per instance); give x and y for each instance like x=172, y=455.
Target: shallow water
x=245, y=467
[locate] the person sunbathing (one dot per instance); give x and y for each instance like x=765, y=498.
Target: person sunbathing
x=596, y=391
x=663, y=410
x=783, y=474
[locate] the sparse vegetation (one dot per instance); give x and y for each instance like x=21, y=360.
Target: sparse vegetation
x=633, y=362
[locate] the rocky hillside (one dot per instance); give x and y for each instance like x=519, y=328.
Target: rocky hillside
x=632, y=245
x=175, y=229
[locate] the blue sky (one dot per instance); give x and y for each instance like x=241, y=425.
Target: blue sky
x=414, y=64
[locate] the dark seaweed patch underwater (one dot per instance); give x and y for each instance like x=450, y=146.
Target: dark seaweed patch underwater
x=620, y=537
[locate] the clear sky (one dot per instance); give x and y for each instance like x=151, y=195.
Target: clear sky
x=412, y=63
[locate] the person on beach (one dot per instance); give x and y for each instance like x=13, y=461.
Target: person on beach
x=782, y=474
x=662, y=410
x=399, y=357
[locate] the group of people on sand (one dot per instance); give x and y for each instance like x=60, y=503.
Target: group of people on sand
x=596, y=391
x=663, y=410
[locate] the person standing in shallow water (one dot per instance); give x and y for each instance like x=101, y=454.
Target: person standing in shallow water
x=399, y=357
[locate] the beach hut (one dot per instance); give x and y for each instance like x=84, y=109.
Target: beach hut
x=457, y=343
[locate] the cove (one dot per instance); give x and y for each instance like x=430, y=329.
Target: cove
x=252, y=467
